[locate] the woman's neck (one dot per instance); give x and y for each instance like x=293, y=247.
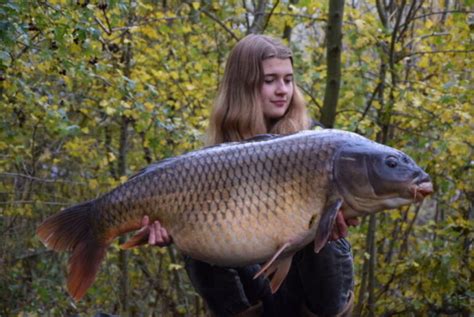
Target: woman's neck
x=269, y=124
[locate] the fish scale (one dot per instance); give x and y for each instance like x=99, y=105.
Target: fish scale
x=240, y=203
x=204, y=174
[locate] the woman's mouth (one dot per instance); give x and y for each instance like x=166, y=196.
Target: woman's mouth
x=279, y=103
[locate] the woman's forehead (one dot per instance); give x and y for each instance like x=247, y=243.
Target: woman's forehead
x=277, y=66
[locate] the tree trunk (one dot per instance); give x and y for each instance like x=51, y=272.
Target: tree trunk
x=122, y=164
x=259, y=18
x=288, y=29
x=372, y=255
x=333, y=60
x=123, y=254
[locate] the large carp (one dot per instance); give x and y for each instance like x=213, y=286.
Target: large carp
x=239, y=203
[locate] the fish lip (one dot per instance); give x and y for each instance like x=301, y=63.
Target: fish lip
x=421, y=188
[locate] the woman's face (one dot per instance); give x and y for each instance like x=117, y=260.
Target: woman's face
x=277, y=88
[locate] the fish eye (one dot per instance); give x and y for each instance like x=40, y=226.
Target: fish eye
x=391, y=162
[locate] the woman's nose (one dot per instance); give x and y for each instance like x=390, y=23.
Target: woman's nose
x=281, y=87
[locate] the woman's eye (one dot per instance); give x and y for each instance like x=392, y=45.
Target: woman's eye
x=268, y=81
x=391, y=162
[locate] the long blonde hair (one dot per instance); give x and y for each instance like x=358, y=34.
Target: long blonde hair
x=237, y=112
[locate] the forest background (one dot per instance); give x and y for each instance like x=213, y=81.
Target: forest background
x=91, y=91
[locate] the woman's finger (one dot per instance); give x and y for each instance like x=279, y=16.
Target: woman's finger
x=145, y=221
x=164, y=236
x=152, y=236
x=353, y=222
x=341, y=225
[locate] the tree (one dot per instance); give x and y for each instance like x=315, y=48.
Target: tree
x=93, y=91
x=333, y=57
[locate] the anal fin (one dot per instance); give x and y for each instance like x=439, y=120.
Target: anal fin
x=278, y=267
x=140, y=238
x=282, y=269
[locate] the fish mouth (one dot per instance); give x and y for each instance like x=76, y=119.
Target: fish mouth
x=421, y=188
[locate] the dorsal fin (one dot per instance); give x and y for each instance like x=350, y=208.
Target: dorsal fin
x=153, y=166
x=257, y=138
x=262, y=137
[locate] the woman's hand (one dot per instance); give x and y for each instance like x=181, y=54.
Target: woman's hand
x=157, y=235
x=341, y=226
x=153, y=234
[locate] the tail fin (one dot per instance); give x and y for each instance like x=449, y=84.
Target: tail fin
x=72, y=230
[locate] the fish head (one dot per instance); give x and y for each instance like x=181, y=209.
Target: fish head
x=374, y=177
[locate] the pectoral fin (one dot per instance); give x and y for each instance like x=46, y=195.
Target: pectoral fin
x=278, y=267
x=326, y=223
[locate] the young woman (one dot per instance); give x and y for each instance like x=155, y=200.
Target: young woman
x=258, y=95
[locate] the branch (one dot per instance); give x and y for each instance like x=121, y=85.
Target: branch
x=102, y=26
x=438, y=52
x=394, y=38
x=422, y=37
x=270, y=15
x=310, y=96
x=32, y=202
x=302, y=16
x=409, y=18
x=406, y=235
x=434, y=13
x=382, y=13
x=212, y=17
x=369, y=104
x=44, y=180
x=247, y=22
x=106, y=19
x=24, y=49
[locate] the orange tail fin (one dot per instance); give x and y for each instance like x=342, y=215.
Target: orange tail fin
x=72, y=230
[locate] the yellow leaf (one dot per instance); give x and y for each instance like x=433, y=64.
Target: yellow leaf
x=174, y=75
x=458, y=149
x=175, y=267
x=123, y=179
x=187, y=29
x=109, y=110
x=112, y=157
x=45, y=156
x=446, y=117
x=93, y=184
x=360, y=24
x=125, y=104
x=149, y=106
x=424, y=62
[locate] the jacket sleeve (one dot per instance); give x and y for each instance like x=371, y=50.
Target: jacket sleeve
x=226, y=291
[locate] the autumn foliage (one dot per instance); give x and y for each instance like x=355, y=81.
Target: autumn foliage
x=91, y=91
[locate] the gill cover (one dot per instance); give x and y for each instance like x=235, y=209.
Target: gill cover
x=350, y=172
